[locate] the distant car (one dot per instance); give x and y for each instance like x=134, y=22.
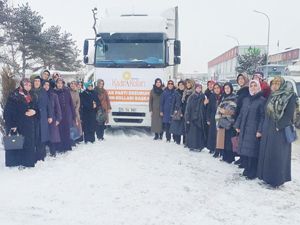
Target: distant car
x=295, y=82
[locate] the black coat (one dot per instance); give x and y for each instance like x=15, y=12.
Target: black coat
x=241, y=95
x=250, y=121
x=14, y=116
x=88, y=113
x=177, y=126
x=274, y=162
x=210, y=117
x=196, y=122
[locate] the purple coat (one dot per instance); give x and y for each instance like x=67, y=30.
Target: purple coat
x=56, y=116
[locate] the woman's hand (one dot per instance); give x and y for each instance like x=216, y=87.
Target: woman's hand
x=238, y=130
x=50, y=120
x=30, y=112
x=258, y=134
x=161, y=114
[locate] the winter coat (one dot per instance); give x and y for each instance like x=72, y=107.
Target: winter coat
x=76, y=103
x=241, y=95
x=104, y=101
x=88, y=113
x=14, y=116
x=45, y=112
x=56, y=116
x=195, y=120
x=210, y=117
x=228, y=103
x=154, y=108
x=167, y=98
x=274, y=162
x=250, y=121
x=68, y=118
x=177, y=126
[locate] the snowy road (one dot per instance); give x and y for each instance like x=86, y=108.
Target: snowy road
x=131, y=179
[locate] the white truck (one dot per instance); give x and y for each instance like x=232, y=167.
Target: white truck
x=129, y=53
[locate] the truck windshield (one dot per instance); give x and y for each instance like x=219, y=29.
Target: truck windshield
x=135, y=54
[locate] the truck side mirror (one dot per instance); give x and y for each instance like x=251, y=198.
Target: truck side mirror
x=177, y=60
x=177, y=48
x=86, y=47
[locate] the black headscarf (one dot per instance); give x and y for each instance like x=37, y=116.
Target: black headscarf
x=157, y=90
x=231, y=89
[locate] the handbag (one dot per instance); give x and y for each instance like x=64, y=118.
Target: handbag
x=13, y=141
x=220, y=139
x=100, y=116
x=177, y=115
x=290, y=134
x=235, y=144
x=74, y=133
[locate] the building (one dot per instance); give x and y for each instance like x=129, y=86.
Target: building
x=224, y=66
x=287, y=57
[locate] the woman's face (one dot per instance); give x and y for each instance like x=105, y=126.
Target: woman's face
x=275, y=86
x=170, y=85
x=73, y=86
x=101, y=84
x=241, y=81
x=254, y=88
x=198, y=89
x=181, y=86
x=210, y=86
x=189, y=85
x=158, y=84
x=46, y=86
x=27, y=86
x=227, y=89
x=59, y=84
x=217, y=90
x=37, y=83
x=45, y=75
x=90, y=87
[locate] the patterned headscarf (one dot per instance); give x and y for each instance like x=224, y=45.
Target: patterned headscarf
x=258, y=85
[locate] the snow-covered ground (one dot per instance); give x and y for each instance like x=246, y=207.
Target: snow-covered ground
x=131, y=179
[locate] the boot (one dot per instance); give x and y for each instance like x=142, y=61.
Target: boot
x=155, y=136
x=160, y=136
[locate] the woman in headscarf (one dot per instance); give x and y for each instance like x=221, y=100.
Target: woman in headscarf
x=76, y=103
x=45, y=117
x=189, y=90
x=167, y=98
x=225, y=117
x=243, y=82
x=177, y=112
x=210, y=88
x=274, y=165
x=68, y=115
x=56, y=118
x=20, y=115
x=89, y=106
x=214, y=101
x=106, y=107
x=249, y=126
x=195, y=120
x=154, y=109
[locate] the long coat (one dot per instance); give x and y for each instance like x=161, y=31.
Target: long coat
x=241, y=95
x=57, y=117
x=104, y=101
x=166, y=100
x=68, y=118
x=274, y=162
x=154, y=107
x=45, y=112
x=250, y=121
x=177, y=126
x=76, y=103
x=14, y=116
x=196, y=122
x=88, y=112
x=210, y=117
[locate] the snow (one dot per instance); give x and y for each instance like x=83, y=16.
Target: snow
x=131, y=179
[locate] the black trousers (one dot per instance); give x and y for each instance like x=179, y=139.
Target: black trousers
x=100, y=131
x=166, y=127
x=40, y=151
x=53, y=148
x=177, y=138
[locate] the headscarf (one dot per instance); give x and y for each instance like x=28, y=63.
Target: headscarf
x=187, y=92
x=258, y=85
x=22, y=90
x=218, y=96
x=246, y=79
x=158, y=90
x=87, y=84
x=231, y=89
x=196, y=86
x=211, y=81
x=279, y=99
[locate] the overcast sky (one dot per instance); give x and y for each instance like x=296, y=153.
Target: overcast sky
x=203, y=23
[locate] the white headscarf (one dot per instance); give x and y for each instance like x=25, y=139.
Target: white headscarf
x=258, y=86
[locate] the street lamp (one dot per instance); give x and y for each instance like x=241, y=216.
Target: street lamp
x=268, y=44
x=234, y=38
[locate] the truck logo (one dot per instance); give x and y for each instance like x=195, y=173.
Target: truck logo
x=127, y=75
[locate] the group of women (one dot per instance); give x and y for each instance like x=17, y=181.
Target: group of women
x=251, y=123
x=52, y=115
